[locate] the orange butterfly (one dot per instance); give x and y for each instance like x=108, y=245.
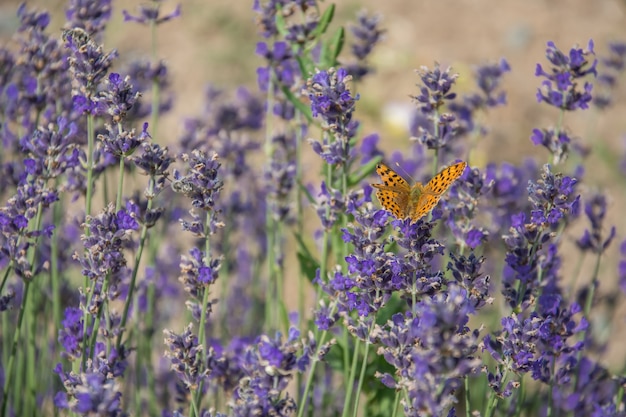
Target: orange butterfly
x=404, y=201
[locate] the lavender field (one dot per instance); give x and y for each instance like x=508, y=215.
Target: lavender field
x=276, y=256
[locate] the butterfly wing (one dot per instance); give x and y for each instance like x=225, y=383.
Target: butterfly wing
x=424, y=205
x=393, y=193
x=435, y=188
x=442, y=181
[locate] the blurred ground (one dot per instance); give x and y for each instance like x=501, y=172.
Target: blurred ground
x=213, y=41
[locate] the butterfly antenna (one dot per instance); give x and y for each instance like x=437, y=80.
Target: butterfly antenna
x=405, y=172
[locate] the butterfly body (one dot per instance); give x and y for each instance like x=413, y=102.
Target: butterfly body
x=403, y=200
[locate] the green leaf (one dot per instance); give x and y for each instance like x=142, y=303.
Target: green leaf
x=300, y=106
x=306, y=65
x=365, y=171
x=336, y=46
x=281, y=24
x=308, y=264
x=325, y=20
x=306, y=193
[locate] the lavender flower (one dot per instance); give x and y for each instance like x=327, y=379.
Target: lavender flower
x=92, y=16
x=223, y=125
x=612, y=66
x=560, y=87
x=186, y=356
x=93, y=393
x=52, y=150
x=369, y=148
x=332, y=204
x=468, y=275
x=436, y=89
x=281, y=72
x=508, y=193
x=488, y=78
x=268, y=13
x=96, y=390
x=462, y=207
x=108, y=236
x=122, y=143
x=529, y=268
x=558, y=143
x=436, y=130
x=37, y=84
x=89, y=65
x=268, y=366
x=149, y=14
x=71, y=336
x=595, y=210
x=621, y=271
x=159, y=277
x=542, y=344
x=196, y=274
x=333, y=102
x=281, y=178
x=370, y=277
x=153, y=161
x=367, y=34
x=119, y=96
x=17, y=232
x=144, y=74
x=432, y=349
x=586, y=388
x=202, y=184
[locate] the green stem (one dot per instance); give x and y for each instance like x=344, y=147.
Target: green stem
x=156, y=90
x=88, y=200
x=55, y=279
x=396, y=404
x=557, y=131
x=587, y=310
x=467, y=397
x=350, y=383
x=270, y=291
x=96, y=325
x=436, y=134
x=205, y=300
x=492, y=401
x=90, y=166
x=147, y=352
x=309, y=380
x=300, y=232
x=357, y=396
x=521, y=397
x=120, y=185
x=16, y=336
x=131, y=288
x=551, y=388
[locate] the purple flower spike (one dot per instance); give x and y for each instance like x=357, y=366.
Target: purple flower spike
x=436, y=89
x=202, y=184
x=148, y=14
x=281, y=66
x=332, y=101
x=560, y=88
x=367, y=34
x=90, y=15
x=593, y=240
x=612, y=66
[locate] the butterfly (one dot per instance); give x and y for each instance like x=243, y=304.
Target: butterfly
x=404, y=201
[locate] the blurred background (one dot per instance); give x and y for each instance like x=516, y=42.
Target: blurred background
x=213, y=41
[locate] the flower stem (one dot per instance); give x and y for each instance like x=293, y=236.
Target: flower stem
x=16, y=337
x=362, y=375
x=351, y=377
